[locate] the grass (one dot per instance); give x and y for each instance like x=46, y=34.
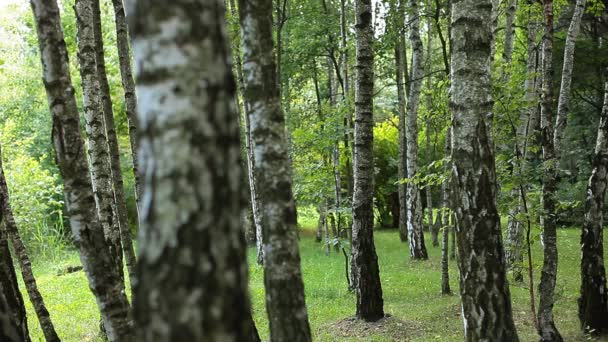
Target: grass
x=411, y=292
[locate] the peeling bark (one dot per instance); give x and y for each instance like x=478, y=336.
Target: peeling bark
x=285, y=302
x=192, y=270
x=593, y=302
x=27, y=274
x=104, y=280
x=484, y=290
x=414, y=204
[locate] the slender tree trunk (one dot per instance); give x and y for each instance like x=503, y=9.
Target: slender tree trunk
x=563, y=103
x=120, y=202
x=484, y=290
x=414, y=205
x=348, y=118
x=15, y=316
x=400, y=80
x=285, y=303
x=546, y=288
x=104, y=279
x=593, y=302
x=453, y=235
x=428, y=192
x=192, y=269
x=42, y=313
x=445, y=245
x=99, y=153
x=507, y=53
x=128, y=85
x=364, y=261
x=320, y=222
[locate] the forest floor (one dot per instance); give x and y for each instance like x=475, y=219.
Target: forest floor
x=411, y=289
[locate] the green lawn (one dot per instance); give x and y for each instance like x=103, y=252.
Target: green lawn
x=411, y=295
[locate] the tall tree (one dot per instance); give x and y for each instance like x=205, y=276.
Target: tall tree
x=192, y=270
x=104, y=280
x=128, y=85
x=9, y=291
x=99, y=153
x=120, y=203
x=546, y=287
x=445, y=234
x=486, y=301
x=285, y=303
x=400, y=60
x=593, y=302
x=6, y=213
x=414, y=203
x=364, y=263
x=563, y=103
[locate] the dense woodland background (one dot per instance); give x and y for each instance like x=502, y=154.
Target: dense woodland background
x=334, y=66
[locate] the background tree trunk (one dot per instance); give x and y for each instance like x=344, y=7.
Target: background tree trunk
x=42, y=313
x=104, y=280
x=593, y=302
x=192, y=271
x=447, y=227
x=414, y=205
x=10, y=331
x=546, y=287
x=9, y=291
x=400, y=80
x=120, y=203
x=285, y=303
x=486, y=305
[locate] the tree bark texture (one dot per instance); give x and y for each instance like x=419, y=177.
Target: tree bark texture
x=14, y=316
x=104, y=280
x=10, y=226
x=364, y=261
x=120, y=203
x=546, y=287
x=414, y=203
x=128, y=85
x=563, y=103
x=484, y=290
x=593, y=302
x=507, y=52
x=285, y=303
x=447, y=228
x=402, y=159
x=192, y=272
x=99, y=153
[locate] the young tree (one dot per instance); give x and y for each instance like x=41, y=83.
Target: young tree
x=400, y=72
x=6, y=213
x=192, y=270
x=104, y=280
x=128, y=85
x=120, y=202
x=15, y=314
x=546, y=287
x=285, y=303
x=101, y=172
x=414, y=203
x=445, y=236
x=486, y=301
x=364, y=265
x=593, y=302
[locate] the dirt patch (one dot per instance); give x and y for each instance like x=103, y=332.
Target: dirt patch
x=388, y=327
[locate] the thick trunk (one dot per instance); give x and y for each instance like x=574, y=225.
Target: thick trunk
x=120, y=203
x=593, y=302
x=484, y=290
x=99, y=154
x=414, y=204
x=402, y=159
x=364, y=261
x=24, y=263
x=285, y=303
x=546, y=287
x=128, y=85
x=104, y=279
x=563, y=103
x=192, y=269
x=10, y=331
x=15, y=316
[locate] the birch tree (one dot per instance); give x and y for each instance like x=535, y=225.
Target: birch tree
x=401, y=95
x=14, y=314
x=10, y=328
x=414, y=203
x=25, y=264
x=593, y=302
x=192, y=270
x=285, y=303
x=104, y=279
x=484, y=291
